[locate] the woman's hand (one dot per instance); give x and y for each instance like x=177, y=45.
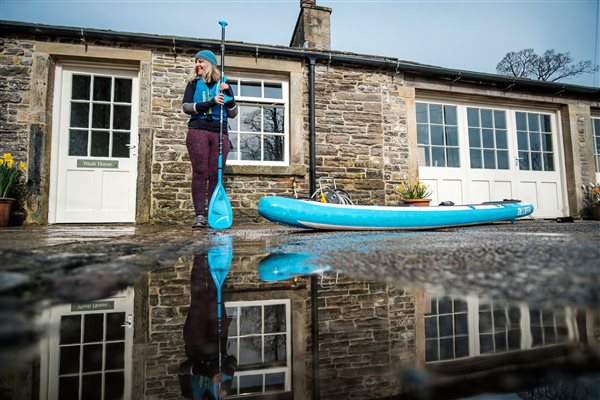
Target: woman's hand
x=219, y=99
x=224, y=86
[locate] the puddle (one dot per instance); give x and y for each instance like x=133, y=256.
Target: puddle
x=425, y=315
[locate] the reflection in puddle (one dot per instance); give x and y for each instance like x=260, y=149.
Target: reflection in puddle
x=172, y=335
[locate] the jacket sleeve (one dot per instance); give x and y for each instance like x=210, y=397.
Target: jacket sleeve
x=191, y=108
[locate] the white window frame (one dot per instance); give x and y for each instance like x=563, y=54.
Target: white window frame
x=261, y=101
x=287, y=369
x=526, y=340
x=596, y=134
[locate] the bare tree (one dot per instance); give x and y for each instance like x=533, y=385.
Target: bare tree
x=550, y=66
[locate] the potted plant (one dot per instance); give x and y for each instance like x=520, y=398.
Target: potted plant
x=9, y=175
x=415, y=194
x=592, y=195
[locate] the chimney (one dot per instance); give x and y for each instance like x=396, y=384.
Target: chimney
x=312, y=27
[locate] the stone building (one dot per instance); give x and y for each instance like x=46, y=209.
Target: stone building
x=97, y=117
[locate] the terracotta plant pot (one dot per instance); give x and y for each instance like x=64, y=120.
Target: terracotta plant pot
x=5, y=207
x=417, y=202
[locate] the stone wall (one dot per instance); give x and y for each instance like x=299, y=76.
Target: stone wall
x=16, y=60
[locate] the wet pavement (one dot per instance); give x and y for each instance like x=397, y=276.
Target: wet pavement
x=378, y=293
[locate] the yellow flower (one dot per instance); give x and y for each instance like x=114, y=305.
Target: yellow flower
x=22, y=165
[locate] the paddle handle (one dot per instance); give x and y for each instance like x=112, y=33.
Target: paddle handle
x=223, y=25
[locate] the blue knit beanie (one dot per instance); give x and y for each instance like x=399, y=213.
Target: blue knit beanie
x=207, y=55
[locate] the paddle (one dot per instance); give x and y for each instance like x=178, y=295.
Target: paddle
x=219, y=259
x=220, y=215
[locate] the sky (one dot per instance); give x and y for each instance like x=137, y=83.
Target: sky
x=471, y=35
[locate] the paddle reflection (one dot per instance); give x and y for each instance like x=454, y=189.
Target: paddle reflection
x=208, y=370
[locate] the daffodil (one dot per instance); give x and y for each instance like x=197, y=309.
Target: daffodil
x=8, y=174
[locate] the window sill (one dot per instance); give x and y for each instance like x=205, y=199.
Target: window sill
x=297, y=170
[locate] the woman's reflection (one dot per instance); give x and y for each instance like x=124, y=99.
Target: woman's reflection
x=202, y=376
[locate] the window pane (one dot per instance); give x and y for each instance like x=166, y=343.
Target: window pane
x=92, y=358
x=486, y=119
x=233, y=83
x=499, y=319
x=69, y=360
x=437, y=157
x=460, y=305
x=522, y=140
x=514, y=339
x=474, y=137
x=115, y=355
x=446, y=349
x=273, y=119
x=536, y=161
x=275, y=349
x=114, y=330
x=250, y=147
x=489, y=159
x=250, y=350
x=547, y=142
x=114, y=385
x=451, y=136
x=437, y=135
x=81, y=87
x=450, y=115
x=100, y=142
x=234, y=153
x=485, y=322
x=250, y=89
x=250, y=118
x=250, y=384
x=503, y=160
x=523, y=161
x=78, y=143
x=275, y=318
x=120, y=142
x=521, y=121
x=499, y=119
x=422, y=134
x=435, y=114
x=445, y=305
x=431, y=350
x=275, y=382
x=545, y=121
x=122, y=117
x=68, y=387
x=461, y=324
x=422, y=113
x=487, y=136
x=462, y=347
x=548, y=162
x=101, y=116
x=534, y=122
x=273, y=91
x=250, y=320
x=91, y=386
x=122, y=90
x=93, y=328
x=535, y=142
x=486, y=344
x=446, y=328
x=70, y=329
x=453, y=158
x=431, y=327
x=476, y=158
x=102, y=88
x=473, y=116
x=501, y=140
x=80, y=113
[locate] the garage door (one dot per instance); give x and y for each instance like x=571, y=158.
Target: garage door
x=471, y=153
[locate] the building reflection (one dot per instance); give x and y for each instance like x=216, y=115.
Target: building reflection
x=375, y=339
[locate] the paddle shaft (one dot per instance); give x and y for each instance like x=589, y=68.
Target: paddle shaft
x=223, y=25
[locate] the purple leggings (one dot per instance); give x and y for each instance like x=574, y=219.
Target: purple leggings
x=203, y=148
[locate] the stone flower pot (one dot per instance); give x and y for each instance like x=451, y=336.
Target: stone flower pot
x=5, y=208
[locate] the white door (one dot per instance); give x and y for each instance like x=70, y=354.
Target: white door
x=94, y=146
x=472, y=154
x=88, y=350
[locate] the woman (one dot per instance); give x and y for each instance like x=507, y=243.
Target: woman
x=203, y=100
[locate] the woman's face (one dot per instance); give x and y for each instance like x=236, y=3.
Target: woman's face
x=200, y=66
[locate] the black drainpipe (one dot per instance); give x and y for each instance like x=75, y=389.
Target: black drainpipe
x=311, y=125
x=314, y=302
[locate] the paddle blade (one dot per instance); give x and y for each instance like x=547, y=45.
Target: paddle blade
x=219, y=259
x=220, y=215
